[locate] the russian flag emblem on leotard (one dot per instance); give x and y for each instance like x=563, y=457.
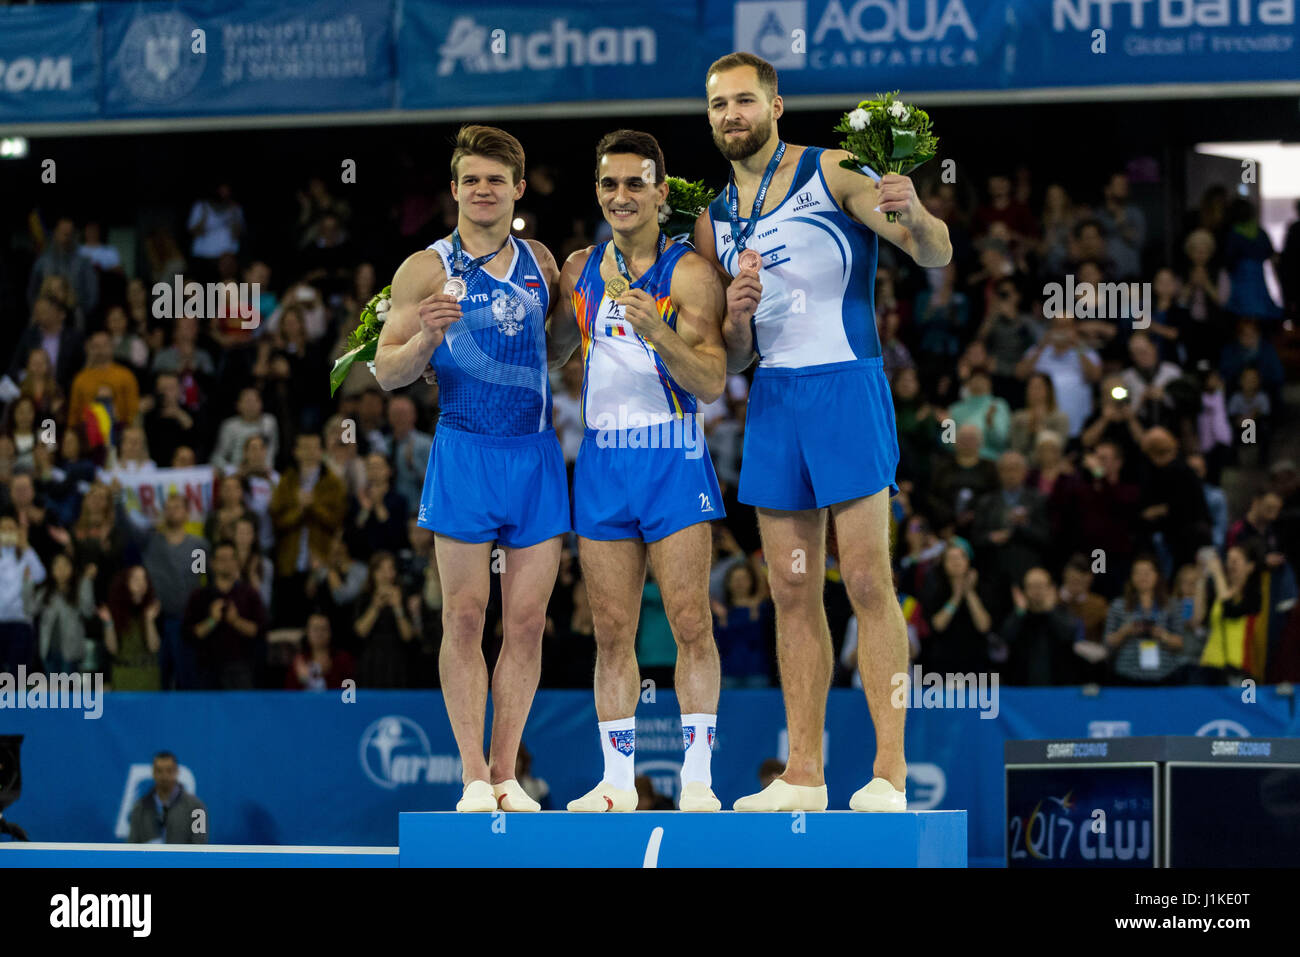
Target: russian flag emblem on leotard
x=624, y=742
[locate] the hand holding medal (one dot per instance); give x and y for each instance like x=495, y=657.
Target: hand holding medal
x=456, y=288
x=616, y=286
x=639, y=310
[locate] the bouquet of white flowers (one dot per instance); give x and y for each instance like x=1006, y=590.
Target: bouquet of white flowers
x=364, y=339
x=888, y=136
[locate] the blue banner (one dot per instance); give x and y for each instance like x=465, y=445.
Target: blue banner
x=261, y=56
x=1089, y=43
x=49, y=62
x=859, y=47
x=456, y=55
x=298, y=768
x=218, y=57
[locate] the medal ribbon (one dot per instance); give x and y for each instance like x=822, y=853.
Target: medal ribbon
x=621, y=263
x=739, y=236
x=458, y=265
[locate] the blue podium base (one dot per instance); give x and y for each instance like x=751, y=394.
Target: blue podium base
x=677, y=839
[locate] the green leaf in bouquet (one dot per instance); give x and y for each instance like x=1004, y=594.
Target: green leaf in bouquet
x=919, y=160
x=904, y=144
x=343, y=364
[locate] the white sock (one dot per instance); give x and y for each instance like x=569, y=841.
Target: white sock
x=618, y=743
x=698, y=731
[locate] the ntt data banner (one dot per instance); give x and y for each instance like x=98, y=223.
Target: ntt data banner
x=255, y=57
x=49, y=62
x=1090, y=42
x=456, y=54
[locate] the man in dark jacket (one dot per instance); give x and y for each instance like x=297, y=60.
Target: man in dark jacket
x=1172, y=502
x=1041, y=636
x=50, y=330
x=167, y=813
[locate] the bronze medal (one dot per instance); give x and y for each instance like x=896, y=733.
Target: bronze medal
x=749, y=261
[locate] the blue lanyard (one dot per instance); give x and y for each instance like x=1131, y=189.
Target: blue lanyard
x=458, y=265
x=733, y=207
x=622, y=263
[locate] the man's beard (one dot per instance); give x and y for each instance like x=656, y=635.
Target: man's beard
x=746, y=146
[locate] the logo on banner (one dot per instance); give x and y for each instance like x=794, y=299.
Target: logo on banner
x=624, y=742
x=926, y=786
x=1222, y=728
x=155, y=57
x=1109, y=729
x=856, y=34
x=557, y=47
x=395, y=751
x=765, y=28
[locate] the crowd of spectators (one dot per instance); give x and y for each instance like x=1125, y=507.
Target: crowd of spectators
x=1084, y=497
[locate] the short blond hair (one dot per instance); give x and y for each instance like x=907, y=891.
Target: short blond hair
x=766, y=72
x=473, y=140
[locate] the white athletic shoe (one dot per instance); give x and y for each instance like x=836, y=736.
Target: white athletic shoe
x=478, y=796
x=878, y=795
x=511, y=797
x=698, y=796
x=779, y=796
x=605, y=797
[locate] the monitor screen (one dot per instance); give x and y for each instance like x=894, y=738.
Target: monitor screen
x=1234, y=815
x=1081, y=816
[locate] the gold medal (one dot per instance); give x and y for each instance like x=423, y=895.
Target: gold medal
x=749, y=261
x=618, y=286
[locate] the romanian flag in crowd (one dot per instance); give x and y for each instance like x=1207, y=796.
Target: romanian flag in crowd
x=1240, y=642
x=98, y=423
